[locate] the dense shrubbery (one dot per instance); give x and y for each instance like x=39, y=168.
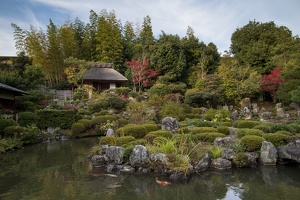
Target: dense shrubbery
x=137, y=131
x=150, y=127
x=282, y=127
x=223, y=129
x=199, y=123
x=55, y=118
x=247, y=131
x=4, y=123
x=99, y=120
x=208, y=137
x=86, y=122
x=77, y=129
x=27, y=118
x=124, y=140
x=277, y=138
x=109, y=140
x=172, y=109
x=251, y=142
x=241, y=160
x=217, y=115
x=245, y=123
x=14, y=131
x=161, y=133
x=263, y=127
x=196, y=130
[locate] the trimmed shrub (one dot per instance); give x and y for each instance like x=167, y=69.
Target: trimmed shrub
x=203, y=130
x=161, y=133
x=241, y=160
x=122, y=122
x=295, y=127
x=86, y=122
x=99, y=120
x=109, y=140
x=199, y=123
x=223, y=129
x=281, y=127
x=183, y=124
x=210, y=114
x=276, y=138
x=262, y=127
x=245, y=123
x=137, y=131
x=55, y=118
x=193, y=116
x=247, y=131
x=124, y=140
x=137, y=142
x=77, y=129
x=103, y=112
x=150, y=137
x=208, y=137
x=285, y=133
x=4, y=123
x=197, y=111
x=27, y=118
x=251, y=142
x=151, y=127
x=228, y=124
x=172, y=109
x=159, y=89
x=14, y=131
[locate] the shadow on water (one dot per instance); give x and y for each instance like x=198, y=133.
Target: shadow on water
x=60, y=170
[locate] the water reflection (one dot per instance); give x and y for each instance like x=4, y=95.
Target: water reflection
x=61, y=171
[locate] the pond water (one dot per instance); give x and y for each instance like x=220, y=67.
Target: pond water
x=60, y=170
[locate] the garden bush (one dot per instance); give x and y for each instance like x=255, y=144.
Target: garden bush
x=281, y=127
x=223, y=129
x=150, y=127
x=109, y=140
x=251, y=142
x=245, y=123
x=285, y=133
x=159, y=89
x=122, y=122
x=197, y=111
x=14, y=131
x=228, y=124
x=27, y=118
x=295, y=127
x=196, y=130
x=136, y=142
x=103, y=112
x=77, y=129
x=86, y=122
x=99, y=120
x=241, y=160
x=199, y=123
x=150, y=137
x=172, y=109
x=137, y=131
x=4, y=123
x=263, y=127
x=124, y=140
x=55, y=118
x=193, y=116
x=161, y=133
x=247, y=131
x=277, y=139
x=208, y=137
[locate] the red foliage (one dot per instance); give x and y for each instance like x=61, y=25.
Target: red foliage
x=174, y=97
x=271, y=82
x=141, y=74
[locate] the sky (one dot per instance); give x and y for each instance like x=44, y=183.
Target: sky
x=212, y=20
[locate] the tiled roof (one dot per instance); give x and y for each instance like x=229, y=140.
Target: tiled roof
x=9, y=88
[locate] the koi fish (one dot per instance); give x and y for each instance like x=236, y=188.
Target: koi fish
x=110, y=175
x=163, y=182
x=114, y=185
x=96, y=174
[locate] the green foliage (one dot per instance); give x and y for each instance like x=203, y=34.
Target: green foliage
x=99, y=120
x=14, y=131
x=27, y=118
x=241, y=160
x=7, y=144
x=208, y=137
x=215, y=152
x=80, y=93
x=217, y=115
x=86, y=122
x=122, y=122
x=161, y=133
x=136, y=142
x=281, y=127
x=197, y=111
x=124, y=140
x=247, y=131
x=163, y=145
x=159, y=89
x=277, y=139
x=262, y=127
x=55, y=118
x=137, y=131
x=150, y=127
x=196, y=130
x=223, y=129
x=103, y=112
x=140, y=113
x=251, y=142
x=199, y=123
x=4, y=123
x=77, y=129
x=172, y=109
x=245, y=123
x=109, y=140
x=33, y=100
x=31, y=133
x=193, y=116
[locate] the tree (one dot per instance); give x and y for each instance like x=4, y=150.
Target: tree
x=272, y=81
x=141, y=74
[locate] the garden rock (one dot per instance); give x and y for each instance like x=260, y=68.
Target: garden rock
x=126, y=168
x=247, y=113
x=252, y=158
x=159, y=161
x=203, y=164
x=246, y=102
x=268, y=155
x=227, y=153
x=234, y=115
x=280, y=112
x=225, y=141
x=170, y=124
x=115, y=154
x=290, y=151
x=139, y=156
x=99, y=160
x=266, y=115
x=221, y=164
x=110, y=132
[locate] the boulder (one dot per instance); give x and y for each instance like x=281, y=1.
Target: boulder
x=227, y=153
x=170, y=124
x=266, y=115
x=252, y=158
x=225, y=141
x=99, y=160
x=139, y=156
x=278, y=105
x=246, y=102
x=247, y=113
x=234, y=115
x=160, y=158
x=126, y=168
x=115, y=154
x=290, y=151
x=203, y=164
x=280, y=112
x=110, y=132
x=221, y=164
x=268, y=155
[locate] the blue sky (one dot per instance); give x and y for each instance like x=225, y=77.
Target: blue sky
x=212, y=20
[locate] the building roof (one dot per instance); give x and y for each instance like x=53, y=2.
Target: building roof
x=103, y=72
x=9, y=88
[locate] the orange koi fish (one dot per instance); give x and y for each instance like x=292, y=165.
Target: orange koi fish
x=162, y=182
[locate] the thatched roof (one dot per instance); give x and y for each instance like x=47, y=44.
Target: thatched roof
x=103, y=72
x=9, y=88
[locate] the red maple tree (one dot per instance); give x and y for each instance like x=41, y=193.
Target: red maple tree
x=141, y=74
x=271, y=82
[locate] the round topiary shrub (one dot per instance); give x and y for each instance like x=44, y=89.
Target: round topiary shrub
x=208, y=137
x=124, y=140
x=241, y=160
x=193, y=116
x=122, y=122
x=4, y=123
x=77, y=129
x=281, y=127
x=103, y=119
x=223, y=129
x=247, y=131
x=151, y=127
x=245, y=123
x=137, y=131
x=203, y=130
x=161, y=133
x=103, y=112
x=14, y=131
x=251, y=142
x=109, y=140
x=262, y=127
x=86, y=122
x=285, y=133
x=137, y=142
x=27, y=118
x=277, y=139
x=199, y=123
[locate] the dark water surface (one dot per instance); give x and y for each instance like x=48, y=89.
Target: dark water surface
x=60, y=170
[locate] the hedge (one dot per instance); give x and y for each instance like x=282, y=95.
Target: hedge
x=251, y=142
x=77, y=129
x=137, y=131
x=86, y=122
x=161, y=133
x=55, y=118
x=247, y=131
x=4, y=123
x=245, y=123
x=27, y=118
x=208, y=137
x=150, y=127
x=103, y=119
x=223, y=129
x=203, y=130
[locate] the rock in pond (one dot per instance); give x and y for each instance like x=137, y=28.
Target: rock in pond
x=268, y=155
x=99, y=160
x=203, y=164
x=115, y=154
x=221, y=164
x=227, y=153
x=290, y=151
x=139, y=156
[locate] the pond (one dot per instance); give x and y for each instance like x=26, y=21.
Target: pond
x=60, y=170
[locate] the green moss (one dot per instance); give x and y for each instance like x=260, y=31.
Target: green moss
x=247, y=131
x=241, y=160
x=161, y=133
x=277, y=139
x=77, y=129
x=251, y=142
x=263, y=127
x=203, y=130
x=109, y=140
x=208, y=137
x=223, y=129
